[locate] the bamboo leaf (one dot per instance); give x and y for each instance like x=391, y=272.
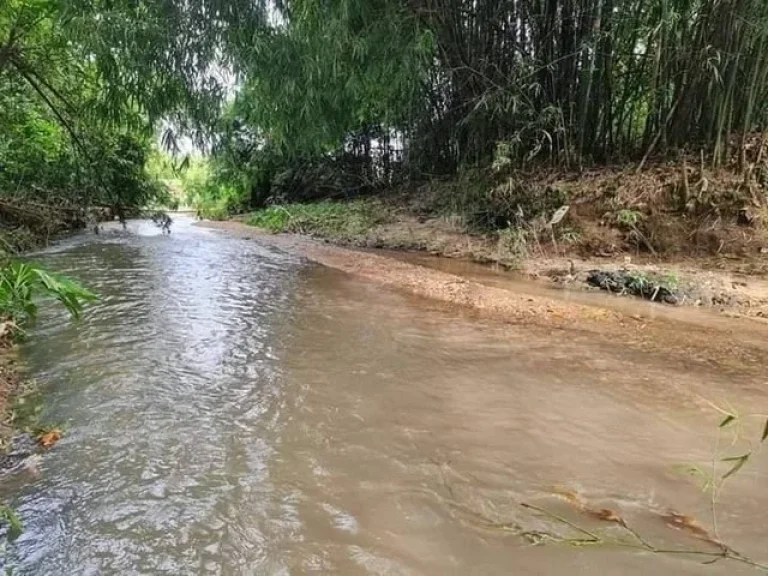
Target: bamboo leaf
x=728, y=419
x=739, y=464
x=15, y=527
x=765, y=432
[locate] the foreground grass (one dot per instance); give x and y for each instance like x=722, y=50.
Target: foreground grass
x=337, y=220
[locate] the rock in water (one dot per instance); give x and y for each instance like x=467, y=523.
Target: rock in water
x=622, y=282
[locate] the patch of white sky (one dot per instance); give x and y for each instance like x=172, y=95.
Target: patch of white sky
x=185, y=145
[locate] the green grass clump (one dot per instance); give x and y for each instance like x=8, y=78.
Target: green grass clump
x=215, y=210
x=338, y=220
x=275, y=219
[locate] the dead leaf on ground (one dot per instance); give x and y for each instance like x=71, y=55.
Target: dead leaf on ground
x=48, y=439
x=6, y=328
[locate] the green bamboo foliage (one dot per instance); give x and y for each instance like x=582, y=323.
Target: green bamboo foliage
x=599, y=78
x=448, y=81
x=569, y=81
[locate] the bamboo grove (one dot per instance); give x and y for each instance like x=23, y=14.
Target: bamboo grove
x=429, y=87
x=602, y=79
x=573, y=79
x=385, y=88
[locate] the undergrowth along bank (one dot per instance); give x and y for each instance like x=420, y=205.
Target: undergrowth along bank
x=335, y=220
x=22, y=286
x=669, y=210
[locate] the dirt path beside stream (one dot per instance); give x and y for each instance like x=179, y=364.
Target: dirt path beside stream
x=689, y=335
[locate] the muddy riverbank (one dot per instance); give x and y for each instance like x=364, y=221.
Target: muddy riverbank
x=687, y=334
x=10, y=383
x=586, y=251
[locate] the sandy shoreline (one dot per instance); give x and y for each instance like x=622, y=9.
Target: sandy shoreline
x=718, y=342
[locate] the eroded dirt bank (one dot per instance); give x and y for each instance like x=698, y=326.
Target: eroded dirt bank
x=587, y=252
x=689, y=335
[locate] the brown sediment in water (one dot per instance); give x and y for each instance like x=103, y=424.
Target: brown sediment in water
x=690, y=335
x=238, y=407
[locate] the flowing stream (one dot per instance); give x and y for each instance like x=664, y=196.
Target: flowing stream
x=231, y=409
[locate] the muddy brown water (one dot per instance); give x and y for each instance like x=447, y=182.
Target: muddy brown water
x=234, y=409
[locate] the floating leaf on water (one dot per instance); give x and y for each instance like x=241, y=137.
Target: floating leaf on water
x=571, y=497
x=728, y=419
x=686, y=523
x=739, y=463
x=765, y=432
x=48, y=439
x=606, y=515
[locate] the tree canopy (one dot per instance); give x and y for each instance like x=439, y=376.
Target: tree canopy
x=382, y=89
x=285, y=92
x=86, y=86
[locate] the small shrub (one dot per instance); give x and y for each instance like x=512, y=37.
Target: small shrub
x=628, y=218
x=671, y=281
x=274, y=219
x=214, y=210
x=513, y=245
x=569, y=235
x=487, y=206
x=638, y=282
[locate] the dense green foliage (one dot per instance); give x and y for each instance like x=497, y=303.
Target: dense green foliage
x=210, y=191
x=85, y=86
x=307, y=99
x=340, y=96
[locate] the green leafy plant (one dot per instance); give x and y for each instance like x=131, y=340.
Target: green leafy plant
x=274, y=219
x=8, y=516
x=628, y=218
x=513, y=243
x=671, y=280
x=733, y=450
x=21, y=284
x=638, y=282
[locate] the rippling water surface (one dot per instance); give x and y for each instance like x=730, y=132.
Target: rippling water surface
x=232, y=409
